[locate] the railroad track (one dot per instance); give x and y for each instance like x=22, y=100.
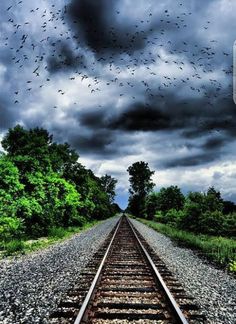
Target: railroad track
x=127, y=282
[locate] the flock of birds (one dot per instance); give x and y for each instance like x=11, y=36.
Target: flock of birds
x=62, y=49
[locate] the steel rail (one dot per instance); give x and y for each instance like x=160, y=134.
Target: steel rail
x=174, y=306
x=89, y=295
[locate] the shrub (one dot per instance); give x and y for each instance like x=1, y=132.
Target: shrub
x=14, y=246
x=229, y=225
x=10, y=228
x=159, y=217
x=192, y=214
x=57, y=232
x=174, y=217
x=211, y=223
x=170, y=198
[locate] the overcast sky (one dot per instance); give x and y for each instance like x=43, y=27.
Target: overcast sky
x=123, y=81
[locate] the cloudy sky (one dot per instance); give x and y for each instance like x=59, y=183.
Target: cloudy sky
x=123, y=81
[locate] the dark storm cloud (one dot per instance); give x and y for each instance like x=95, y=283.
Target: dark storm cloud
x=63, y=57
x=135, y=118
x=93, y=119
x=193, y=160
x=95, y=142
x=214, y=143
x=142, y=118
x=193, y=120
x=97, y=22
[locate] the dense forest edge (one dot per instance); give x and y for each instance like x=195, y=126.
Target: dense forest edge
x=200, y=220
x=45, y=191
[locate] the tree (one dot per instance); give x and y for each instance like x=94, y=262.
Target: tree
x=97, y=196
x=151, y=205
x=62, y=156
x=194, y=207
x=228, y=207
x=170, y=198
x=29, y=149
x=34, y=150
x=109, y=185
x=42, y=185
x=213, y=200
x=141, y=185
x=10, y=191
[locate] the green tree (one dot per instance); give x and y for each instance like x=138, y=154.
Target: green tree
x=97, y=202
x=193, y=209
x=213, y=200
x=10, y=192
x=151, y=205
x=52, y=202
x=29, y=149
x=140, y=186
x=109, y=185
x=170, y=198
x=42, y=185
x=62, y=157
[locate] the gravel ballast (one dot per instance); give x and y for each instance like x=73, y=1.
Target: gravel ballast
x=213, y=289
x=32, y=285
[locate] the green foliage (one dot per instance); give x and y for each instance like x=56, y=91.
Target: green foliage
x=57, y=232
x=29, y=149
x=10, y=227
x=140, y=179
x=51, y=201
x=204, y=214
x=173, y=217
x=213, y=200
x=42, y=186
x=232, y=266
x=229, y=225
x=228, y=207
x=198, y=212
x=219, y=249
x=109, y=185
x=140, y=186
x=211, y=222
x=14, y=246
x=170, y=198
x=62, y=156
x=151, y=205
x=96, y=201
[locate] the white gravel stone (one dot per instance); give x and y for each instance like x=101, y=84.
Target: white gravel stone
x=32, y=285
x=213, y=289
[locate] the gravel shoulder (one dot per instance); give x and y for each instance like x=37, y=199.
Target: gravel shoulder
x=213, y=289
x=32, y=285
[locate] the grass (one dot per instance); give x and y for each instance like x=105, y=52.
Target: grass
x=216, y=248
x=56, y=234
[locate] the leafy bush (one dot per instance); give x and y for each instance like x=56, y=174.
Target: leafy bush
x=10, y=228
x=192, y=214
x=229, y=225
x=159, y=217
x=14, y=246
x=170, y=198
x=151, y=205
x=57, y=232
x=211, y=223
x=232, y=266
x=174, y=217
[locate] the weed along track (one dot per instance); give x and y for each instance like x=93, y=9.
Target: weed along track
x=126, y=282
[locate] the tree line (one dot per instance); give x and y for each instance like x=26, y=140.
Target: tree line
x=199, y=212
x=43, y=185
